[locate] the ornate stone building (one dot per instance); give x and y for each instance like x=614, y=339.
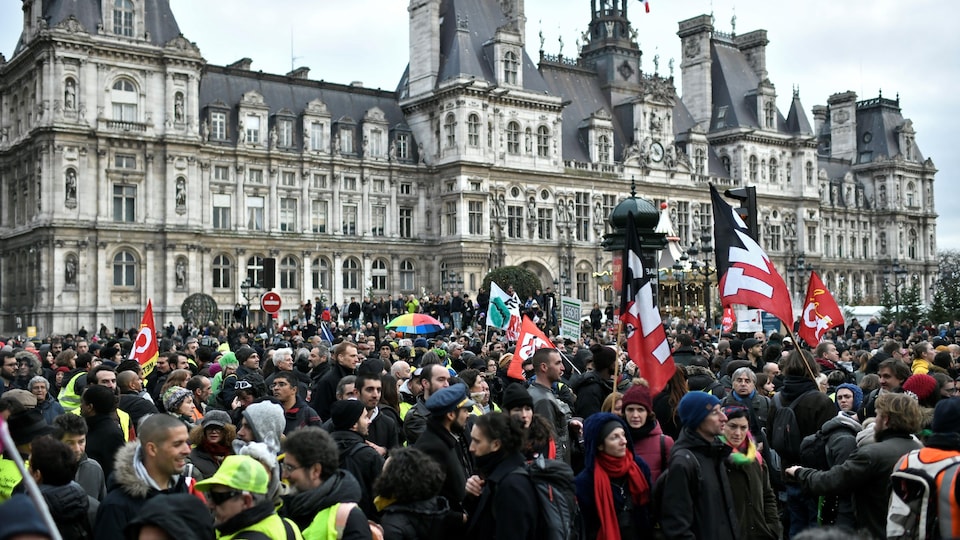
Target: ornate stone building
x=132, y=169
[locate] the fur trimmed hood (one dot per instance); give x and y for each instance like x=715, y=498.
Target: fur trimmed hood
x=125, y=474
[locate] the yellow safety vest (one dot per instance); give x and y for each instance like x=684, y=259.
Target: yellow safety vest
x=69, y=399
x=272, y=526
x=10, y=477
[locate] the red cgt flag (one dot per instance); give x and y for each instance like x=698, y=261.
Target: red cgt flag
x=145, y=350
x=820, y=312
x=531, y=339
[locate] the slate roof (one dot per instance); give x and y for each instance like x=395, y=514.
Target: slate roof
x=279, y=92
x=463, y=52
x=734, y=87
x=582, y=96
x=159, y=21
x=797, y=122
x=880, y=117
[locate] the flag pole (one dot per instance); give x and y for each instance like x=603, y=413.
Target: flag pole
x=800, y=351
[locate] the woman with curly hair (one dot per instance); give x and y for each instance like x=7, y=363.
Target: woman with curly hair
x=666, y=402
x=407, y=496
x=212, y=441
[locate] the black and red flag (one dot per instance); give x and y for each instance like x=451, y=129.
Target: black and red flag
x=747, y=276
x=646, y=340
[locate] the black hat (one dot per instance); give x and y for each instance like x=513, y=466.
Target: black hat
x=372, y=366
x=243, y=353
x=750, y=342
x=345, y=413
x=516, y=396
x=27, y=425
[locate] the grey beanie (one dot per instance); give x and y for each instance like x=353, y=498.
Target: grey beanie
x=267, y=422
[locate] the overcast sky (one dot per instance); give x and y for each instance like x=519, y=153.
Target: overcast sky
x=821, y=46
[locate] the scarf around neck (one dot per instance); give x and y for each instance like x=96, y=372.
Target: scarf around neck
x=746, y=454
x=606, y=467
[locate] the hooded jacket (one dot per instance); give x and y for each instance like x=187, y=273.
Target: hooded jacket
x=591, y=390
x=70, y=504
x=128, y=490
x=306, y=508
x=325, y=391
x=417, y=520
x=697, y=501
x=507, y=506
x=182, y=516
x=454, y=459
x=841, y=433
x=812, y=411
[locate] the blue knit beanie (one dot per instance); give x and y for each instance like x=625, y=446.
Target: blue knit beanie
x=695, y=407
x=857, y=394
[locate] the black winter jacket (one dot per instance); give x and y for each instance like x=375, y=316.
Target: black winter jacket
x=69, y=503
x=865, y=474
x=363, y=462
x=812, y=411
x=302, y=508
x=325, y=392
x=697, y=501
x=450, y=453
x=591, y=390
x=136, y=406
x=507, y=506
x=104, y=439
x=418, y=520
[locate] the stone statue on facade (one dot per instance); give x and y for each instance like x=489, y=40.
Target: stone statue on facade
x=71, y=185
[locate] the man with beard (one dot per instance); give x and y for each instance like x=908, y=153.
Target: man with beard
x=383, y=433
x=312, y=468
x=346, y=358
x=351, y=423
x=443, y=440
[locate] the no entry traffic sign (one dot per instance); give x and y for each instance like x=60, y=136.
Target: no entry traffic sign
x=270, y=303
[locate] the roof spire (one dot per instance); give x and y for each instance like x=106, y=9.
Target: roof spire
x=633, y=186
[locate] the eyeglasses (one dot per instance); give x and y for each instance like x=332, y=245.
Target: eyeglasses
x=288, y=468
x=220, y=497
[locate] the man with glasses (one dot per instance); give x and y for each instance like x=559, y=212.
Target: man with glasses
x=295, y=410
x=312, y=469
x=237, y=497
x=8, y=370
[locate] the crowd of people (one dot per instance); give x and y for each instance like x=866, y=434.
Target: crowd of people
x=379, y=435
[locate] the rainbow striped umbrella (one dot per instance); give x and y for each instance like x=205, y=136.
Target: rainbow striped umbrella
x=415, y=323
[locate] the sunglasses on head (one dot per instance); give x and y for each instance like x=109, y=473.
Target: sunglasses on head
x=220, y=497
x=243, y=385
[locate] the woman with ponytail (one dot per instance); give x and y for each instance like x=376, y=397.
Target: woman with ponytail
x=754, y=501
x=614, y=488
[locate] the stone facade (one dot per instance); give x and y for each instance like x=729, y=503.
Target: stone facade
x=131, y=169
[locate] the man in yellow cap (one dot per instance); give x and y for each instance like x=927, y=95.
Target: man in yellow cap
x=237, y=495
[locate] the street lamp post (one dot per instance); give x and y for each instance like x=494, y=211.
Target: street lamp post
x=562, y=284
x=703, y=268
x=680, y=270
x=899, y=278
x=245, y=287
x=798, y=271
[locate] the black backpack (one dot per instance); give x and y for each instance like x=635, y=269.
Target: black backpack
x=559, y=515
x=785, y=436
x=813, y=451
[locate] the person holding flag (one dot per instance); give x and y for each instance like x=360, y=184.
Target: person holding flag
x=503, y=311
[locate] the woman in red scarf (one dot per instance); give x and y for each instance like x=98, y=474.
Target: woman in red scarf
x=613, y=489
x=212, y=441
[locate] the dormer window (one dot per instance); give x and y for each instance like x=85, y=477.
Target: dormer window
x=511, y=67
x=769, y=115
x=603, y=149
x=123, y=18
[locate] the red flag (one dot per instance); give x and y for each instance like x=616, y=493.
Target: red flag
x=531, y=339
x=646, y=340
x=145, y=350
x=820, y=312
x=729, y=319
x=646, y=5
x=747, y=276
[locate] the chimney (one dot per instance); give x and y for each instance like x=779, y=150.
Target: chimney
x=695, y=35
x=243, y=63
x=300, y=73
x=424, y=46
x=753, y=45
x=843, y=125
x=819, y=119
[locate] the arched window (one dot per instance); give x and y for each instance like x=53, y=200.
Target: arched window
x=911, y=195
x=124, y=270
x=351, y=274
x=450, y=130
x=320, y=272
x=255, y=270
x=222, y=270
x=603, y=149
x=123, y=97
x=123, y=18
x=774, y=171
x=543, y=141
x=513, y=138
x=511, y=67
x=379, y=275
x=288, y=273
x=752, y=168
x=407, y=275
x=473, y=130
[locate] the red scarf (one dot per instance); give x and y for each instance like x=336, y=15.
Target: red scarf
x=604, y=468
